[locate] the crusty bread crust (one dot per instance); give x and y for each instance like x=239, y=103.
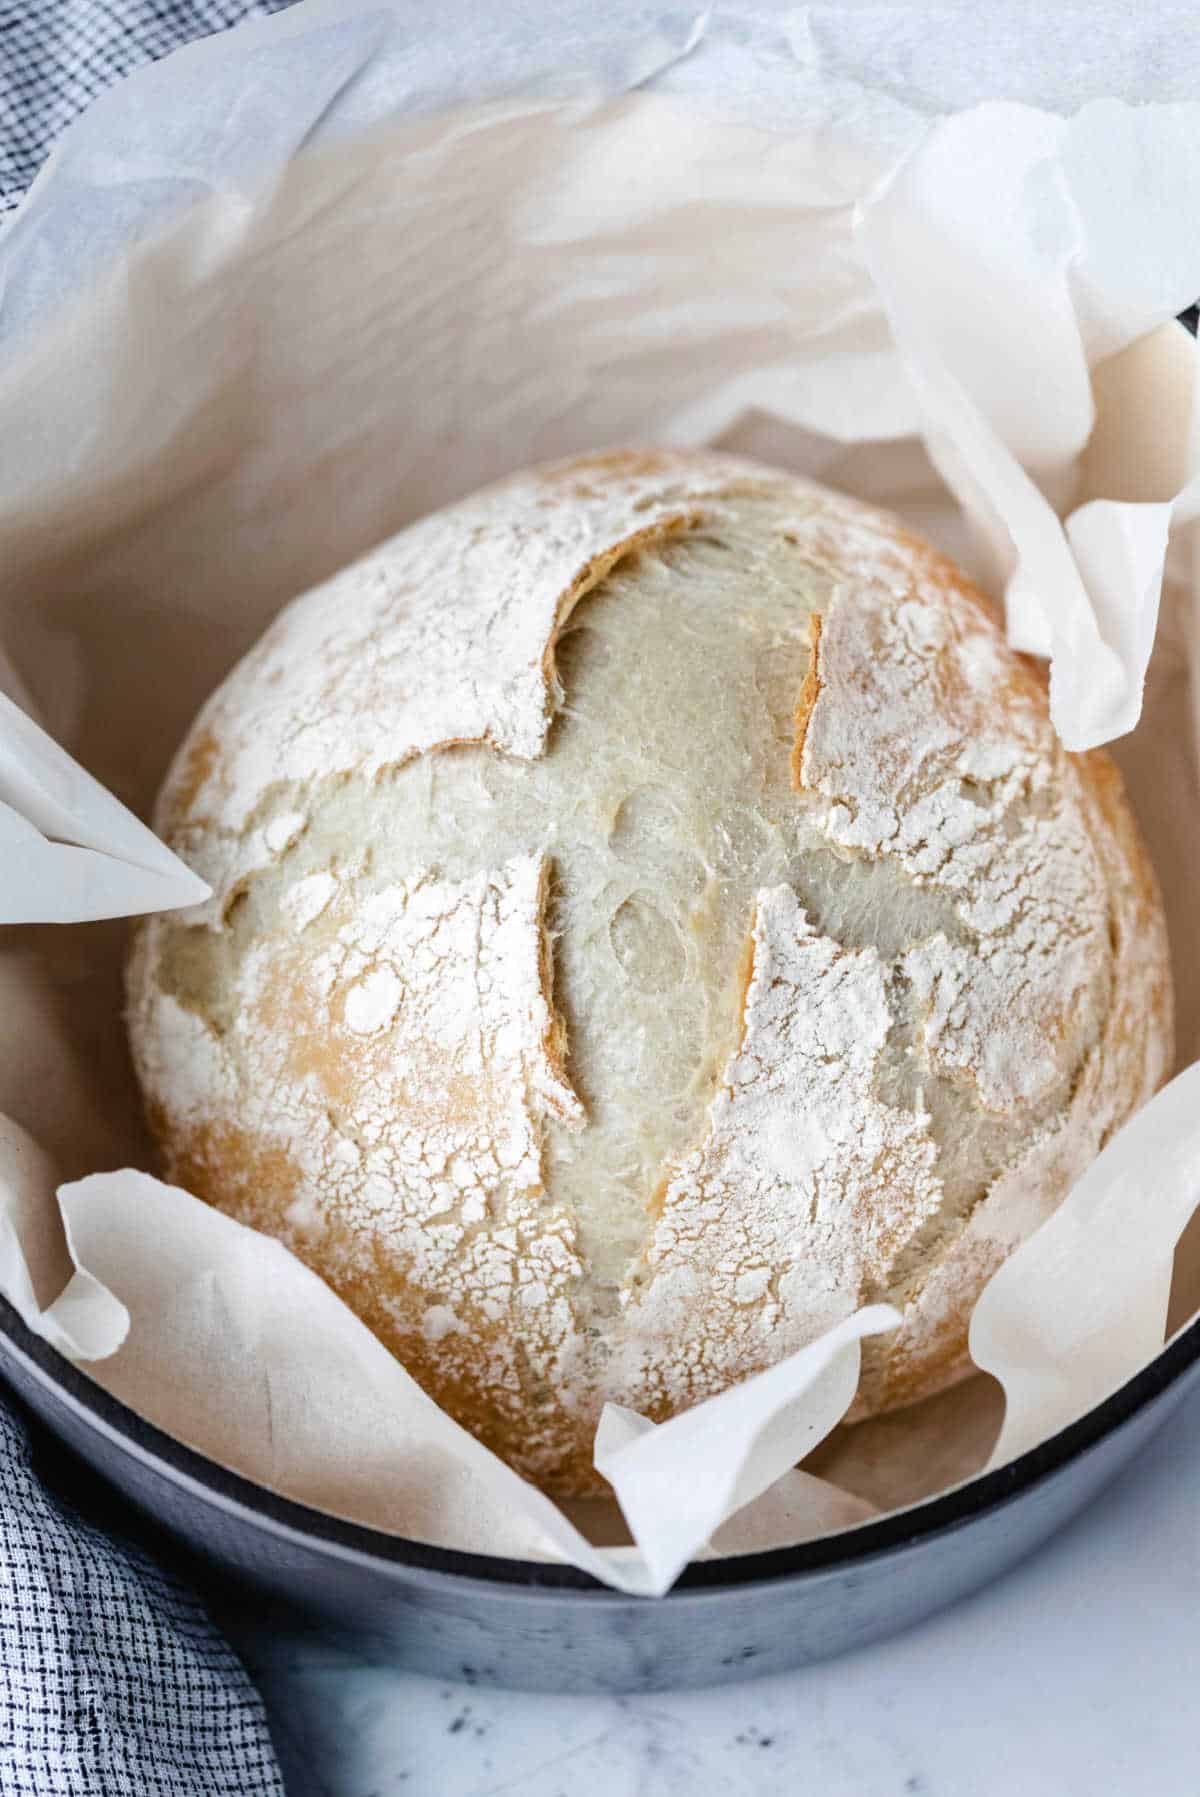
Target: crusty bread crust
x=376, y=1078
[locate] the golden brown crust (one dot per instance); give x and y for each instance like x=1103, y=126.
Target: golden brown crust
x=390, y=1057
x=810, y=687
x=198, y=765
x=1130, y=1062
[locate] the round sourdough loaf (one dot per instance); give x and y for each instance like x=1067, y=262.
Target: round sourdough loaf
x=652, y=916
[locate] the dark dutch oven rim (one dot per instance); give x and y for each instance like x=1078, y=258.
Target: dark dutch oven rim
x=846, y=1551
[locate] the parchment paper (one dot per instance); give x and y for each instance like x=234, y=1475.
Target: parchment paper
x=611, y=251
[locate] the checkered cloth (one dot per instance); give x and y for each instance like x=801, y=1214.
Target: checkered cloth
x=56, y=55
x=113, y=1682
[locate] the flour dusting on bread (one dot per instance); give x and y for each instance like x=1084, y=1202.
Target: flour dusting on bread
x=652, y=915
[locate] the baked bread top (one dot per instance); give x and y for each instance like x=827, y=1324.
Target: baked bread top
x=652, y=915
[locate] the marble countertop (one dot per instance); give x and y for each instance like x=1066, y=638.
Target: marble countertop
x=1072, y=1676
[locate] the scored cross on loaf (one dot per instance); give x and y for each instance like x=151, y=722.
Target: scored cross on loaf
x=652, y=916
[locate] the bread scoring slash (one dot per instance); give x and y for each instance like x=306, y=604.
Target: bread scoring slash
x=652, y=916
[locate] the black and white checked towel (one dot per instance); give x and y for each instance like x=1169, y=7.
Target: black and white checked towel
x=113, y=1681
x=56, y=55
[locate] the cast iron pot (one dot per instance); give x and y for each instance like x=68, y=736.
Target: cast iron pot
x=551, y=1628
x=539, y=1627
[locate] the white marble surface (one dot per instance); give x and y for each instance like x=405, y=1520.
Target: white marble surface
x=1075, y=1675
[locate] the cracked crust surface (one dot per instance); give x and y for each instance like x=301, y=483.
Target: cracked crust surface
x=652, y=915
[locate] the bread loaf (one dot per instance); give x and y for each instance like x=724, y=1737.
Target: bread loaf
x=652, y=916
